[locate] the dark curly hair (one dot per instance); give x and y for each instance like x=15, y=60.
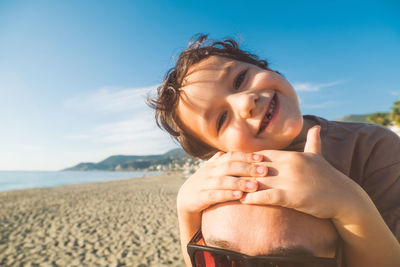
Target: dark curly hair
x=168, y=93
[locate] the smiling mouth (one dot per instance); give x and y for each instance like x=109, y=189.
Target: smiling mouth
x=269, y=114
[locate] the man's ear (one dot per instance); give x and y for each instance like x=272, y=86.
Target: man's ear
x=313, y=142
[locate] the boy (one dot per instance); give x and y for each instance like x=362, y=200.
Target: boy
x=223, y=104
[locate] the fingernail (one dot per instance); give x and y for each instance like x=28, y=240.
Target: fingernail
x=260, y=169
x=237, y=194
x=250, y=185
x=256, y=157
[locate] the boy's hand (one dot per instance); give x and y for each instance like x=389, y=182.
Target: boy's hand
x=214, y=182
x=217, y=181
x=306, y=182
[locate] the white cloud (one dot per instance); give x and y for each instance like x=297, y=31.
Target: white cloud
x=111, y=99
x=139, y=127
x=395, y=93
x=313, y=87
x=135, y=132
x=137, y=135
x=127, y=124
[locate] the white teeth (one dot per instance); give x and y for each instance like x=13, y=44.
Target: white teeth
x=268, y=116
x=270, y=110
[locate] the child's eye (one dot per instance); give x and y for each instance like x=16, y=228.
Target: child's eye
x=221, y=121
x=239, y=79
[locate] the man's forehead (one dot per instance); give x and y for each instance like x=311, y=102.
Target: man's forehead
x=264, y=230
x=289, y=250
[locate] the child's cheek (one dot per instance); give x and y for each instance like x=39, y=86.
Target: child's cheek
x=238, y=140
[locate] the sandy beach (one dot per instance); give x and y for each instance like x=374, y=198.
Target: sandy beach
x=121, y=223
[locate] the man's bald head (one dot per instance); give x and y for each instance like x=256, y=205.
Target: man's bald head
x=265, y=230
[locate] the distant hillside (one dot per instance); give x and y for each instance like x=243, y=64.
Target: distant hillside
x=173, y=159
x=354, y=118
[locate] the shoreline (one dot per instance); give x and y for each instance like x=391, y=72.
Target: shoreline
x=129, y=222
x=19, y=180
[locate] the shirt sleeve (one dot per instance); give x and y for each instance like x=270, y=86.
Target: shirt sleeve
x=382, y=176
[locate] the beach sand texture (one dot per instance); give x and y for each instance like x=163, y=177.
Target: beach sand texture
x=121, y=223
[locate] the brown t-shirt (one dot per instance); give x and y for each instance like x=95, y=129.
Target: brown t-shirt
x=367, y=153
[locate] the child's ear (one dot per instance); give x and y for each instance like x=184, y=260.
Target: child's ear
x=313, y=142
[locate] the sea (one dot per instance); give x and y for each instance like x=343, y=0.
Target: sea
x=12, y=180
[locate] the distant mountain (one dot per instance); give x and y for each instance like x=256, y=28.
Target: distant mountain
x=173, y=159
x=354, y=118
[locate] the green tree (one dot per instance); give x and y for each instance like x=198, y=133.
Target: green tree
x=395, y=114
x=379, y=118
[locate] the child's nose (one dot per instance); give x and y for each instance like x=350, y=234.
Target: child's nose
x=245, y=105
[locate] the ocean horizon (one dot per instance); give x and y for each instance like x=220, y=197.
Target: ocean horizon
x=14, y=180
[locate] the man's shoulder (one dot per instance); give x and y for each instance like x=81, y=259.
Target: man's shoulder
x=368, y=131
x=365, y=132
x=363, y=147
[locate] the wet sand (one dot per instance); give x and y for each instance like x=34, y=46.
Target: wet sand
x=121, y=223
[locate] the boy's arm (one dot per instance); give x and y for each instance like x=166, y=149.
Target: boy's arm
x=308, y=183
x=368, y=240
x=188, y=226
x=368, y=229
x=381, y=175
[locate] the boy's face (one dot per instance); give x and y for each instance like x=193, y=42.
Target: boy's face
x=237, y=106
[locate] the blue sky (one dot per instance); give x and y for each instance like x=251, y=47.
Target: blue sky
x=74, y=74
